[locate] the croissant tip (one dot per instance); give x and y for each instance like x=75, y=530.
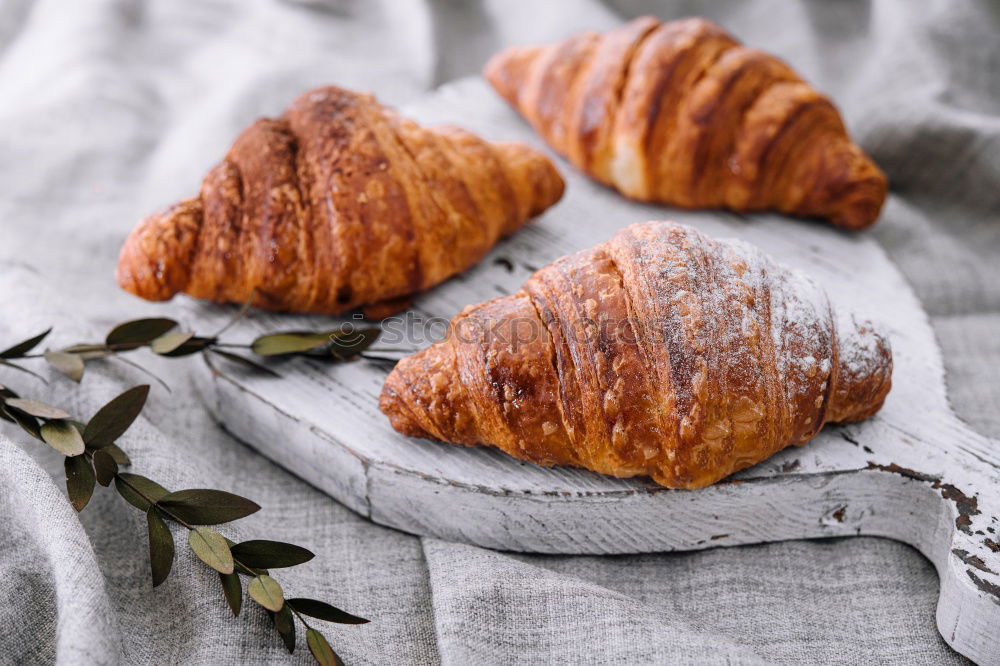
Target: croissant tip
x=153, y=262
x=864, y=376
x=860, y=206
x=392, y=405
x=507, y=71
x=136, y=271
x=538, y=185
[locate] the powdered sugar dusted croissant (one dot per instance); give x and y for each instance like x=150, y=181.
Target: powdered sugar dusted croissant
x=660, y=352
x=338, y=203
x=681, y=113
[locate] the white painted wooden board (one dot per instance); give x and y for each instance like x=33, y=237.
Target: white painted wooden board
x=912, y=473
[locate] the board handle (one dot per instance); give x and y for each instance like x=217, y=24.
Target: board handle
x=959, y=532
x=968, y=611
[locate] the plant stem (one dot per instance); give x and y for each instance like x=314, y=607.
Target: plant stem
x=298, y=615
x=146, y=497
x=236, y=563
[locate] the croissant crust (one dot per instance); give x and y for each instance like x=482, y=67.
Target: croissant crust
x=338, y=203
x=681, y=113
x=659, y=353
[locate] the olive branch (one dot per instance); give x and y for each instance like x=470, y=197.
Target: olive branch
x=92, y=456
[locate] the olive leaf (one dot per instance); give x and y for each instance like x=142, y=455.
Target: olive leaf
x=117, y=454
x=136, y=333
x=87, y=351
x=211, y=548
x=193, y=345
x=93, y=457
x=244, y=361
x=203, y=506
x=266, y=592
x=270, y=554
x=233, y=590
x=285, y=624
x=292, y=342
x=345, y=345
x=324, y=611
x=105, y=466
x=321, y=650
x=80, y=481
x=114, y=418
x=22, y=348
x=37, y=408
x=63, y=437
x=161, y=546
x=129, y=486
x=28, y=422
x=70, y=365
x=169, y=342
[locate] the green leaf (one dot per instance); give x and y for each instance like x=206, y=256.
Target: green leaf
x=266, y=591
x=147, y=487
x=324, y=611
x=285, y=624
x=211, y=548
x=270, y=554
x=117, y=454
x=114, y=418
x=87, y=351
x=70, y=365
x=321, y=650
x=244, y=361
x=37, y=408
x=292, y=342
x=22, y=348
x=192, y=346
x=232, y=588
x=26, y=421
x=351, y=343
x=136, y=333
x=63, y=437
x=105, y=466
x=168, y=342
x=202, y=506
x=161, y=546
x=283, y=619
x=80, y=481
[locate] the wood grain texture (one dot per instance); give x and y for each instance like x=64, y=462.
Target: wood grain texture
x=913, y=473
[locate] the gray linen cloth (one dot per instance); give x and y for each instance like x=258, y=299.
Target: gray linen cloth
x=112, y=108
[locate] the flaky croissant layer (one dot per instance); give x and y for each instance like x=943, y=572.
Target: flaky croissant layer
x=660, y=353
x=338, y=203
x=681, y=113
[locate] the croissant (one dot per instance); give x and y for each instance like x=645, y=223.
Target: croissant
x=659, y=353
x=680, y=113
x=339, y=203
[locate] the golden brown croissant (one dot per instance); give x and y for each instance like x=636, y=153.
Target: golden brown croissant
x=681, y=113
x=338, y=203
x=660, y=352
